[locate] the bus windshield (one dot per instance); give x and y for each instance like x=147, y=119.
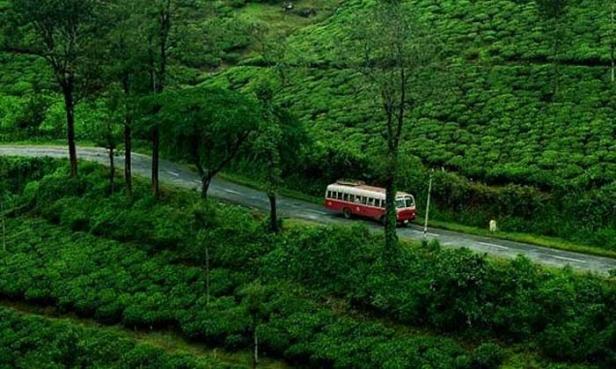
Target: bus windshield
x=405, y=202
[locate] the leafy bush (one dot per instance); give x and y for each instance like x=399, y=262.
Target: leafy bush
x=487, y=356
x=30, y=341
x=291, y=287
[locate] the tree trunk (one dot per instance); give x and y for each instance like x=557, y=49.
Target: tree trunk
x=128, y=136
x=158, y=86
x=3, y=223
x=111, y=169
x=207, y=273
x=205, y=185
x=391, y=237
x=612, y=45
x=155, y=162
x=273, y=215
x=127, y=154
x=154, y=135
x=69, y=105
x=255, y=355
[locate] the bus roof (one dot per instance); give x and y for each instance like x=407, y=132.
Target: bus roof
x=362, y=190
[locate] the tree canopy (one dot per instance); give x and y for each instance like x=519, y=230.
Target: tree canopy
x=65, y=33
x=208, y=127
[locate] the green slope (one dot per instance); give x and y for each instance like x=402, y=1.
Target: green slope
x=500, y=122
x=505, y=146
x=543, y=156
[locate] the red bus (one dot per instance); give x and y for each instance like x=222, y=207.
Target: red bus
x=355, y=198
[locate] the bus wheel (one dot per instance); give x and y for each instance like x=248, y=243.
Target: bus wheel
x=347, y=213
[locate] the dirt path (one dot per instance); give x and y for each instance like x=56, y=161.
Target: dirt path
x=174, y=174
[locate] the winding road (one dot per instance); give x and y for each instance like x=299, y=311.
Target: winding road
x=174, y=174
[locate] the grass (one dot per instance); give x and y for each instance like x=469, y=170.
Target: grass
x=33, y=141
x=550, y=242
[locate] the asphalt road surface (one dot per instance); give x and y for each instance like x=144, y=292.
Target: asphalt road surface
x=174, y=174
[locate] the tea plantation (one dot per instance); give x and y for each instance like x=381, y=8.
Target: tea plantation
x=510, y=148
x=315, y=297
x=520, y=128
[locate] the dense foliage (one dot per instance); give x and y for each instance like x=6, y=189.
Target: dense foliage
x=316, y=293
x=115, y=282
x=28, y=341
x=513, y=148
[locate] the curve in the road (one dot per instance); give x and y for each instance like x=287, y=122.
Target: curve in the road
x=174, y=174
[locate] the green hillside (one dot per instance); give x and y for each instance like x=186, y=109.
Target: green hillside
x=498, y=123
x=517, y=130
x=504, y=145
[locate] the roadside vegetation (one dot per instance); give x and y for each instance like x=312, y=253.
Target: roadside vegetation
x=508, y=103
x=311, y=296
x=521, y=131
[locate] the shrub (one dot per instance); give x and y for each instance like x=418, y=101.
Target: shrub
x=487, y=356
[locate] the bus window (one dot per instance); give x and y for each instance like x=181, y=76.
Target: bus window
x=346, y=197
x=352, y=198
x=405, y=202
x=364, y=200
x=329, y=194
x=370, y=201
x=339, y=195
x=377, y=203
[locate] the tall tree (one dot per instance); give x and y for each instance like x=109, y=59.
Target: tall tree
x=146, y=38
x=281, y=135
x=126, y=63
x=395, y=52
x=108, y=129
x=2, y=218
x=158, y=43
x=171, y=23
x=611, y=36
x=268, y=144
x=64, y=33
x=208, y=127
x=278, y=144
x=553, y=13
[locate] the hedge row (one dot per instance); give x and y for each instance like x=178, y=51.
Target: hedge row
x=115, y=282
x=565, y=315
x=30, y=341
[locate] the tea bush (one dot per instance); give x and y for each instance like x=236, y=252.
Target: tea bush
x=308, y=279
x=30, y=341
